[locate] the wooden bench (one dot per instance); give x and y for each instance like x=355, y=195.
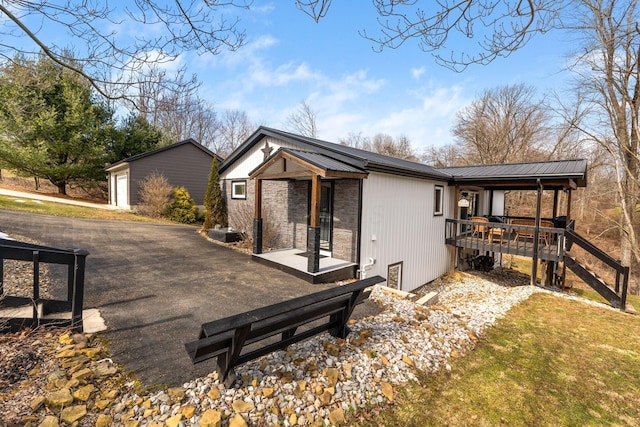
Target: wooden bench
x=225, y=339
x=528, y=229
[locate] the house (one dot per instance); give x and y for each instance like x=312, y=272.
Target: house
x=186, y=163
x=326, y=212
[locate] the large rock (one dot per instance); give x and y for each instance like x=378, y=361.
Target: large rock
x=332, y=376
x=237, y=421
x=60, y=397
x=387, y=391
x=83, y=393
x=242, y=406
x=210, y=418
x=104, y=420
x=73, y=413
x=336, y=417
x=49, y=421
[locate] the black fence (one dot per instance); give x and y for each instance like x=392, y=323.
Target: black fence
x=43, y=311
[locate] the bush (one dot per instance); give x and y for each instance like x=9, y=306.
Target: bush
x=182, y=207
x=155, y=195
x=215, y=208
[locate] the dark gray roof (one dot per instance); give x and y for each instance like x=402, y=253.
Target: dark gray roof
x=558, y=169
x=322, y=161
x=354, y=157
x=316, y=159
x=165, y=148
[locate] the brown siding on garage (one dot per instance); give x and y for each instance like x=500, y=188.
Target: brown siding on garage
x=183, y=165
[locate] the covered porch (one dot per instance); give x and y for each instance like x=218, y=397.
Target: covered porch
x=487, y=233
x=325, y=248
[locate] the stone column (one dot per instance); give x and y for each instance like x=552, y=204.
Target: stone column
x=313, y=249
x=257, y=235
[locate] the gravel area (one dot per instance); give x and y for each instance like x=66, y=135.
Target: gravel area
x=320, y=380
x=316, y=382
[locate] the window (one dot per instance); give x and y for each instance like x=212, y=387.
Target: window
x=238, y=189
x=438, y=200
x=394, y=275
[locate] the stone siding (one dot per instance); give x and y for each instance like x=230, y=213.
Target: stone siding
x=285, y=206
x=346, y=194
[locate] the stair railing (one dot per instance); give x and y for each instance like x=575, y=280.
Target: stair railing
x=622, y=272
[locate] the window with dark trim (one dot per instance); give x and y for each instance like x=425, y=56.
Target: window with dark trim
x=238, y=189
x=438, y=200
x=394, y=275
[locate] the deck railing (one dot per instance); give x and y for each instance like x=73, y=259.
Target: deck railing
x=507, y=238
x=44, y=310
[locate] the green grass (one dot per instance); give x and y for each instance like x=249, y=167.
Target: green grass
x=61, y=209
x=549, y=362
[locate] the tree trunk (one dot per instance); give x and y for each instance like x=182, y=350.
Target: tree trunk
x=62, y=187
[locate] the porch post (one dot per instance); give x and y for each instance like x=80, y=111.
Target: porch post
x=536, y=234
x=453, y=252
x=257, y=218
x=564, y=265
x=313, y=231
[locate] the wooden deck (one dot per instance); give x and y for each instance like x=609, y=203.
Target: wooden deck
x=509, y=239
x=522, y=247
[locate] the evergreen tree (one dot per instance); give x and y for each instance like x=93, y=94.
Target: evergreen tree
x=215, y=207
x=136, y=135
x=51, y=125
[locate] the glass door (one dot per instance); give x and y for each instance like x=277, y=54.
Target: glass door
x=326, y=215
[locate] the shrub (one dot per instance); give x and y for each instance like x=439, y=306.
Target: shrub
x=215, y=208
x=182, y=207
x=241, y=219
x=155, y=195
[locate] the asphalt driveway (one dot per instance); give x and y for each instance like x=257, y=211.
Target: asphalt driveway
x=155, y=284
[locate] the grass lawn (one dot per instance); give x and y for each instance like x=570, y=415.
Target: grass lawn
x=550, y=361
x=61, y=209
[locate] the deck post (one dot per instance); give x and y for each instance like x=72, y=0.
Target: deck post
x=313, y=231
x=536, y=234
x=564, y=267
x=453, y=252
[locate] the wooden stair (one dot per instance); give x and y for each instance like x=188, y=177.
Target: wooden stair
x=597, y=283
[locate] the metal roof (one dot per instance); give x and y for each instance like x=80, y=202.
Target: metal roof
x=161, y=149
x=322, y=161
x=557, y=169
x=360, y=159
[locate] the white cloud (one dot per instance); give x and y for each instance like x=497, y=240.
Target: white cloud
x=417, y=72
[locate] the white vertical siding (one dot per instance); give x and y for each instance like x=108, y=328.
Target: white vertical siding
x=398, y=213
x=253, y=158
x=498, y=203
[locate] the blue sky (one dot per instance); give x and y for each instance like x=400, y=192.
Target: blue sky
x=289, y=58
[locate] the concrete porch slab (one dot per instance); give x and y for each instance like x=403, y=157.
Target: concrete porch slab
x=289, y=261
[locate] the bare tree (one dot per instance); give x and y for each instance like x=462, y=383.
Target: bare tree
x=445, y=156
x=111, y=60
x=356, y=140
x=382, y=143
x=608, y=70
x=235, y=128
x=303, y=121
x=505, y=124
x=498, y=27
x=178, y=114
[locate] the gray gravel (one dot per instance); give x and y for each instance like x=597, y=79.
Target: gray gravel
x=296, y=387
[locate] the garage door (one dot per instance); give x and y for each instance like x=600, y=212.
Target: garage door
x=122, y=184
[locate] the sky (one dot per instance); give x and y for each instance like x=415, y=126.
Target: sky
x=352, y=88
